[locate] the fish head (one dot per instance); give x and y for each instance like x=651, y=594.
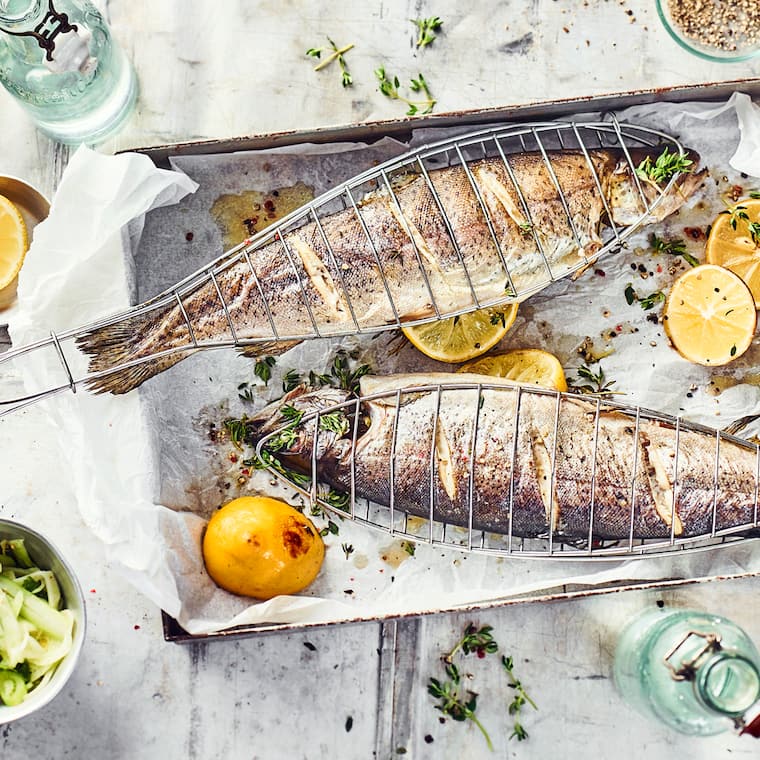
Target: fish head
x=289, y=426
x=630, y=189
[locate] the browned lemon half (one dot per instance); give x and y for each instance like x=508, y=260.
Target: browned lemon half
x=710, y=315
x=738, y=249
x=523, y=365
x=462, y=338
x=13, y=241
x=261, y=547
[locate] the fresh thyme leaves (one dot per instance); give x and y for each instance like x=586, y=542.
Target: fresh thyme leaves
x=263, y=368
x=650, y=301
x=317, y=381
x=674, y=247
x=736, y=214
x=409, y=547
x=519, y=699
x=337, y=500
x=525, y=227
x=291, y=380
x=337, y=54
x=664, y=167
x=236, y=429
x=426, y=28
x=390, y=88
x=452, y=702
x=244, y=392
x=474, y=639
x=754, y=232
x=460, y=704
x=331, y=527
x=334, y=422
x=348, y=549
x=497, y=317
x=289, y=412
x=647, y=302
x=754, y=194
x=348, y=379
x=595, y=382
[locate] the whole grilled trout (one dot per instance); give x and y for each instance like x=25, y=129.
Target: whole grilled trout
x=526, y=461
x=417, y=246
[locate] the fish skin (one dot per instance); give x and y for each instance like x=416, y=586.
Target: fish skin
x=403, y=252
x=513, y=478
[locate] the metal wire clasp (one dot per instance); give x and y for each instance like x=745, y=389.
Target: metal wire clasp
x=688, y=668
x=47, y=30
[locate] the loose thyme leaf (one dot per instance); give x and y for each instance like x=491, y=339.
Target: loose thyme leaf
x=754, y=231
x=334, y=422
x=650, y=301
x=291, y=380
x=630, y=294
x=337, y=54
x=390, y=88
x=263, y=368
x=596, y=382
x=426, y=28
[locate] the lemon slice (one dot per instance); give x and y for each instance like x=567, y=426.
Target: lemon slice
x=13, y=242
x=531, y=366
x=737, y=249
x=710, y=315
x=462, y=338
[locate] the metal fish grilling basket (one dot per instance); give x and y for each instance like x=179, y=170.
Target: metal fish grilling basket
x=678, y=485
x=499, y=143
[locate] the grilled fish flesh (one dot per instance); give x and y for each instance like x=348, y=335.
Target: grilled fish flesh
x=394, y=257
x=524, y=460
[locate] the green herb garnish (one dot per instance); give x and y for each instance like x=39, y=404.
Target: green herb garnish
x=348, y=379
x=290, y=381
x=736, y=214
x=520, y=699
x=650, y=301
x=454, y=703
x=426, y=28
x=336, y=54
x=348, y=549
x=474, y=639
x=664, y=167
x=630, y=294
x=390, y=88
x=497, y=317
x=674, y=247
x=263, y=368
x=596, y=382
x=334, y=422
x=754, y=232
x=236, y=429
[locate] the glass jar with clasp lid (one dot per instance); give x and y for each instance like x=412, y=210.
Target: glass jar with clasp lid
x=698, y=673
x=59, y=60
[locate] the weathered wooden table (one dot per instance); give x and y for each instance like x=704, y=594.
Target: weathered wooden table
x=354, y=691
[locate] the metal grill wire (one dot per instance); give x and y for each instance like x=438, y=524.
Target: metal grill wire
x=500, y=143
x=389, y=518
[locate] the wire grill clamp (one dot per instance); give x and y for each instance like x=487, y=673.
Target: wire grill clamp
x=497, y=142
x=673, y=530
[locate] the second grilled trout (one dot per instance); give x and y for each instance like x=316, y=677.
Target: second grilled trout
x=394, y=256
x=527, y=461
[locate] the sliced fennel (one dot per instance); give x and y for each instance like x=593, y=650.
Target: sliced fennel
x=35, y=635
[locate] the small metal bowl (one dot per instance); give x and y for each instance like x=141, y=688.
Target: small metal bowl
x=34, y=207
x=709, y=52
x=47, y=557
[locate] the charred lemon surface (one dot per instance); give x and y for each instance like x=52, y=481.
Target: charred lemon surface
x=261, y=547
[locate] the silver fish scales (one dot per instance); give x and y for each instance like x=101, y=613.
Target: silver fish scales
x=502, y=468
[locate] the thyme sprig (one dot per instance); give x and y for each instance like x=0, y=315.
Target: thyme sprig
x=474, y=639
x=390, y=88
x=754, y=233
x=453, y=702
x=736, y=213
x=337, y=54
x=519, y=699
x=664, y=166
x=426, y=28
x=673, y=247
x=595, y=382
x=646, y=302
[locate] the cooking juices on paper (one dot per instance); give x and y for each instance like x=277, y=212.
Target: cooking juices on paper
x=697, y=672
x=57, y=57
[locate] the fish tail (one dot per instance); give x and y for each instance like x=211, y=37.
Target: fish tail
x=126, y=342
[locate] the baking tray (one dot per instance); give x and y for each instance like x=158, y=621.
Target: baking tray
x=370, y=132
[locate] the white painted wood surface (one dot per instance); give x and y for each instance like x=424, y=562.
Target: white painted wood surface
x=234, y=69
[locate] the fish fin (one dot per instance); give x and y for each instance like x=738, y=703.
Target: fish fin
x=268, y=348
x=118, y=343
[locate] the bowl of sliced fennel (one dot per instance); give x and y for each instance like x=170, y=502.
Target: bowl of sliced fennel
x=42, y=621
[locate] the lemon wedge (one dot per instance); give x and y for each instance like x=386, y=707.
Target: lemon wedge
x=710, y=315
x=13, y=242
x=530, y=366
x=459, y=339
x=734, y=243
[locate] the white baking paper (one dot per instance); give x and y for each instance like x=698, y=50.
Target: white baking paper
x=75, y=273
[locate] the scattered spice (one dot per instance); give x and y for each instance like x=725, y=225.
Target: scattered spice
x=727, y=26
